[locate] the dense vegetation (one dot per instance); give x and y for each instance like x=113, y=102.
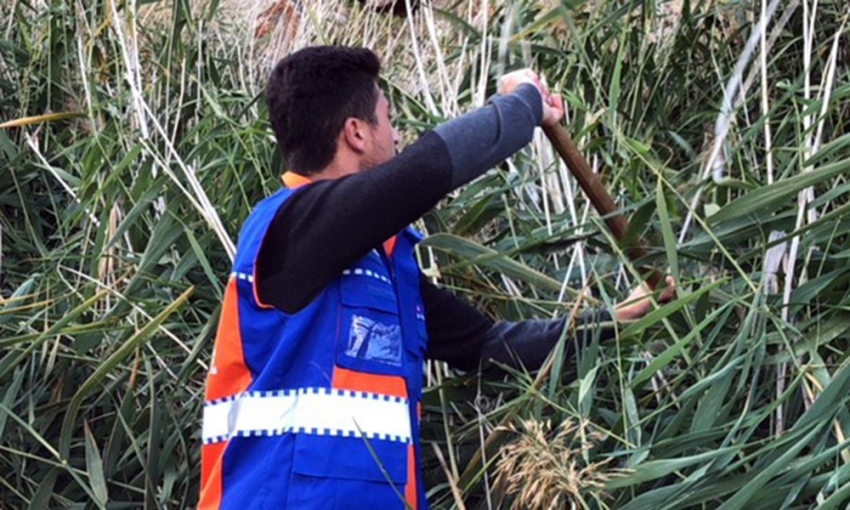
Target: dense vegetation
x=135, y=143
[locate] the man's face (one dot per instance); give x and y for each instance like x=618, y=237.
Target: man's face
x=383, y=135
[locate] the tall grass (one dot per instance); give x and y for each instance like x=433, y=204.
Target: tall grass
x=135, y=143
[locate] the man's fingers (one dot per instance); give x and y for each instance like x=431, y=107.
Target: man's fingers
x=553, y=109
x=510, y=81
x=669, y=292
x=553, y=105
x=558, y=102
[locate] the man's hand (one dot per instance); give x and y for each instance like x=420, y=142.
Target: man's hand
x=553, y=105
x=639, y=302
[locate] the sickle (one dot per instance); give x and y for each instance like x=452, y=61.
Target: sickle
x=598, y=195
x=617, y=223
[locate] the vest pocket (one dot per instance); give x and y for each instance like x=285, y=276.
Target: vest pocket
x=354, y=472
x=370, y=338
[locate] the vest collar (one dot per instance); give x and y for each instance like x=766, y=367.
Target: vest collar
x=292, y=180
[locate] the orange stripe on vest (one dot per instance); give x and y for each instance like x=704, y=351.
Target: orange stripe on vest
x=211, y=470
x=393, y=385
x=389, y=246
x=228, y=376
x=410, y=490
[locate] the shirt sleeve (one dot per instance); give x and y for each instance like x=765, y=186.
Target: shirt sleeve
x=466, y=339
x=328, y=225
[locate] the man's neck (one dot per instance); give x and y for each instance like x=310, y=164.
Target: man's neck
x=346, y=162
x=333, y=171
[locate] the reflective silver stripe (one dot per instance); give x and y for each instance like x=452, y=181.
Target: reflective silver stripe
x=358, y=271
x=243, y=276
x=321, y=411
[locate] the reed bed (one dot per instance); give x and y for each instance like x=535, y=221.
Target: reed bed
x=134, y=141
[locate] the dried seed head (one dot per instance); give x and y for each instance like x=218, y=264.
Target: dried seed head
x=550, y=469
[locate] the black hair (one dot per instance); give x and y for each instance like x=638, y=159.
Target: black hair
x=310, y=95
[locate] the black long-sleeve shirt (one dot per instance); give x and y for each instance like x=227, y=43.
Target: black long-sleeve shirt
x=326, y=226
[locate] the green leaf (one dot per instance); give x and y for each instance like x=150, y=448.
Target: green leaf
x=474, y=253
x=667, y=310
x=776, y=195
x=837, y=498
x=585, y=392
x=751, y=489
x=670, y=243
x=10, y=396
x=94, y=466
x=661, y=360
x=41, y=498
x=654, y=469
x=110, y=364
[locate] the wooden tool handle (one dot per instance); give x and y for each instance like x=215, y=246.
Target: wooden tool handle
x=597, y=194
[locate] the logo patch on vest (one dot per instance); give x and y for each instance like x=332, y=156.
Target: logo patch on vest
x=371, y=340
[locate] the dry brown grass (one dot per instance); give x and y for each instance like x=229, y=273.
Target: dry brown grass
x=548, y=468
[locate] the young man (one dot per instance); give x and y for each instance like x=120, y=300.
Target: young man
x=313, y=396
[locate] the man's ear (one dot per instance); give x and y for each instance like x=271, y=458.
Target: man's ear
x=354, y=134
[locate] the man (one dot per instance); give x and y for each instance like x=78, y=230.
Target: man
x=313, y=396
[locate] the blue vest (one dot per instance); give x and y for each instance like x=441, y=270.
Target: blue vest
x=317, y=409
